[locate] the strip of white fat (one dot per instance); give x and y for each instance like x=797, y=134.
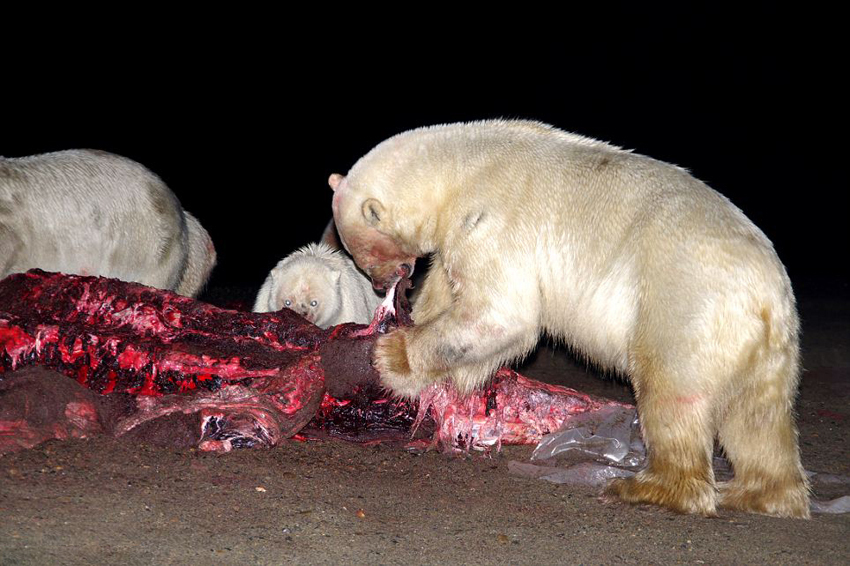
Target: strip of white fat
x=388, y=305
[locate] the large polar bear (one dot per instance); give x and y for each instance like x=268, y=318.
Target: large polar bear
x=322, y=285
x=95, y=213
x=630, y=260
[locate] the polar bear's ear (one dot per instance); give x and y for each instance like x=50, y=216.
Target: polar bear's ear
x=334, y=180
x=373, y=212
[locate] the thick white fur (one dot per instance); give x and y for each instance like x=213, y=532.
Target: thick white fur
x=319, y=273
x=95, y=213
x=632, y=261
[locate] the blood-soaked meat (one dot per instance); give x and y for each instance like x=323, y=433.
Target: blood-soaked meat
x=184, y=372
x=114, y=336
x=37, y=405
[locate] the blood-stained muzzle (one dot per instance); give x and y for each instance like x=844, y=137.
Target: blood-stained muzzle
x=387, y=275
x=375, y=252
x=379, y=256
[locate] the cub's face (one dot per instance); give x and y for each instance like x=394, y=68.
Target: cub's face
x=311, y=292
x=365, y=229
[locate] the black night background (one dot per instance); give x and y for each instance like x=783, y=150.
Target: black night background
x=246, y=129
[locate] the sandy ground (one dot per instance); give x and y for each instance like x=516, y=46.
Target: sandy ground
x=104, y=501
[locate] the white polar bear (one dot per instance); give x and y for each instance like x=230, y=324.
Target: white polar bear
x=630, y=260
x=94, y=213
x=320, y=284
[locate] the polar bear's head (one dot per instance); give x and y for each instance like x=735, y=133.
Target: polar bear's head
x=308, y=286
x=367, y=232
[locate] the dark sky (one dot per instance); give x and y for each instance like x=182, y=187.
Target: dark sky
x=246, y=129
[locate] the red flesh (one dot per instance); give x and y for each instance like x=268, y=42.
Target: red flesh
x=246, y=379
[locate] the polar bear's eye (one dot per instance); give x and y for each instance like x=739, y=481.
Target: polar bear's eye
x=314, y=302
x=287, y=303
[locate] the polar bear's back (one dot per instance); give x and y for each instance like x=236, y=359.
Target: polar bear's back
x=93, y=212
x=531, y=176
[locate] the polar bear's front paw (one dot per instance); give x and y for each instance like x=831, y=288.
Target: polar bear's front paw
x=391, y=358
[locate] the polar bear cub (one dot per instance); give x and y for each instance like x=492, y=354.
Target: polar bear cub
x=320, y=284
